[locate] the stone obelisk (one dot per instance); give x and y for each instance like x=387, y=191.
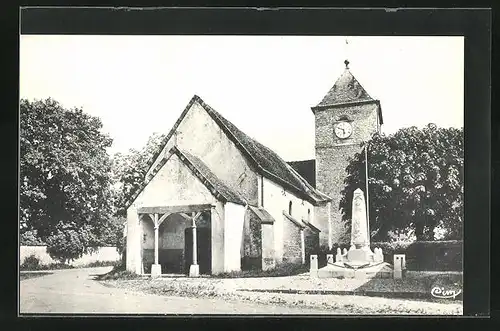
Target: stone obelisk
x=359, y=261
x=359, y=225
x=360, y=240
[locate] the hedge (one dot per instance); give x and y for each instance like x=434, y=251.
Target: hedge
x=420, y=255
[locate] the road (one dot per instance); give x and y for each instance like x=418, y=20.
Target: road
x=76, y=291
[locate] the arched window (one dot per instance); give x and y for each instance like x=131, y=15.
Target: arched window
x=290, y=208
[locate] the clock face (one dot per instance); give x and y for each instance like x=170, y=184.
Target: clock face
x=343, y=130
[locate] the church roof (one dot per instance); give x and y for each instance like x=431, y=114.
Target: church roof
x=266, y=161
x=346, y=89
x=208, y=177
x=307, y=169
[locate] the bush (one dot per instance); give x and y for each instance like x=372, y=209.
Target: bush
x=30, y=263
x=435, y=255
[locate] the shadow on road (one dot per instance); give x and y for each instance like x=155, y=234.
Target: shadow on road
x=28, y=275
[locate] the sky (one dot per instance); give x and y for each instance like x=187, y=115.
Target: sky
x=265, y=85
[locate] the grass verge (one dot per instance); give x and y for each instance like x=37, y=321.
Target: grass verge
x=281, y=270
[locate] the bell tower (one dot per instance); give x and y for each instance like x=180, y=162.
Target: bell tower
x=345, y=117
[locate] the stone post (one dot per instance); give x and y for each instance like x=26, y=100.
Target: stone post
x=313, y=269
x=399, y=265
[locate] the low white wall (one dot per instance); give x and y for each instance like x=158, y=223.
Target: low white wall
x=103, y=254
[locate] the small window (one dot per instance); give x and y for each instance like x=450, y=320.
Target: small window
x=290, y=208
x=309, y=215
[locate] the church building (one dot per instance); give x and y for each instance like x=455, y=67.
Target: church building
x=215, y=200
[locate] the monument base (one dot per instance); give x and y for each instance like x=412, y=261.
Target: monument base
x=358, y=271
x=360, y=254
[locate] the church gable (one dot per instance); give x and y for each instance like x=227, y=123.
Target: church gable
x=174, y=184
x=174, y=177
x=197, y=133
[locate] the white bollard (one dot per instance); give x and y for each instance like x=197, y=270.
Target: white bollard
x=399, y=265
x=313, y=269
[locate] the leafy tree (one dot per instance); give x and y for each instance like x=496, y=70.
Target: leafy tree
x=68, y=243
x=113, y=233
x=129, y=171
x=30, y=238
x=415, y=182
x=65, y=176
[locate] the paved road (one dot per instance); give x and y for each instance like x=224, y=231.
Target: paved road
x=76, y=291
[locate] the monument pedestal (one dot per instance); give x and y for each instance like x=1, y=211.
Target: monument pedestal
x=360, y=254
x=374, y=270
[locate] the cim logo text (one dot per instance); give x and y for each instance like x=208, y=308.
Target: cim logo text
x=443, y=293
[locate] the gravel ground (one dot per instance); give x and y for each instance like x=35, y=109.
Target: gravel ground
x=228, y=289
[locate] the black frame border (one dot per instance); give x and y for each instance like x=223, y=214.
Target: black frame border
x=474, y=24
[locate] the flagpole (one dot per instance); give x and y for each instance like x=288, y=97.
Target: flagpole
x=367, y=195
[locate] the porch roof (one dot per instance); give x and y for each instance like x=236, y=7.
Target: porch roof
x=173, y=209
x=262, y=214
x=295, y=221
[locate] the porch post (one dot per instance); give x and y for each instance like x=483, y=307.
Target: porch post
x=156, y=238
x=194, y=270
x=156, y=268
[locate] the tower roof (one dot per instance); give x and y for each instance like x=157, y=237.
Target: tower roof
x=345, y=90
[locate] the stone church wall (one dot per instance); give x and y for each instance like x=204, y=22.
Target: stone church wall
x=311, y=239
x=277, y=200
x=252, y=242
x=292, y=250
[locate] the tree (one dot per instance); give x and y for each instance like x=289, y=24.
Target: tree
x=65, y=176
x=129, y=171
x=415, y=182
x=113, y=234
